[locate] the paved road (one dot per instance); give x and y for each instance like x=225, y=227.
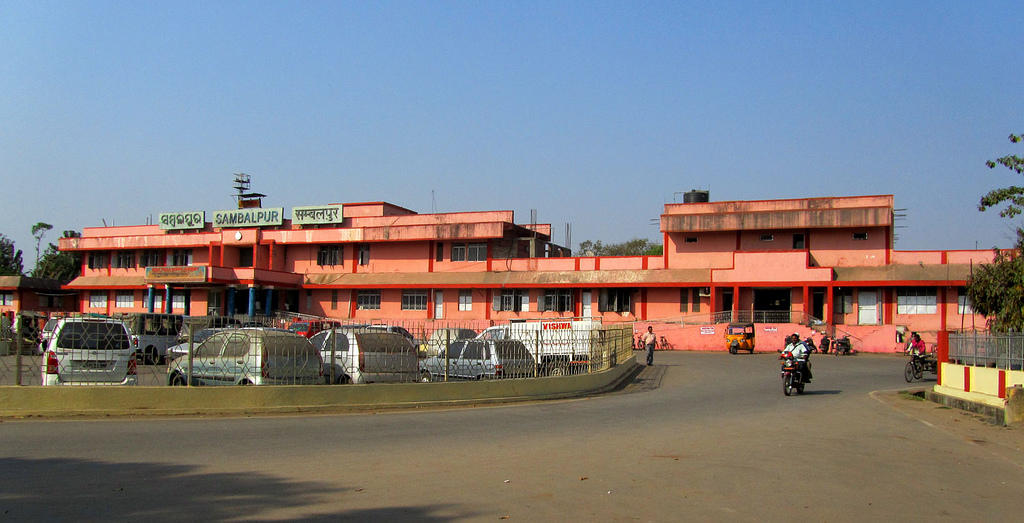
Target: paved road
x=696, y=437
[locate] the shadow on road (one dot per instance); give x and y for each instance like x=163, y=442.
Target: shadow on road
x=61, y=488
x=811, y=392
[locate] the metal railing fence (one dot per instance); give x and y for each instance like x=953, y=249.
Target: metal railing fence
x=1001, y=351
x=261, y=350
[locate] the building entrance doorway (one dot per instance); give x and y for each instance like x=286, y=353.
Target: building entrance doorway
x=772, y=305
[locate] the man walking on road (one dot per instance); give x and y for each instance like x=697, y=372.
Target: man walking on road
x=649, y=340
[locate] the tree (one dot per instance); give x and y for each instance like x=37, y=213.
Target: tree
x=59, y=265
x=10, y=259
x=38, y=231
x=634, y=247
x=996, y=290
x=1012, y=194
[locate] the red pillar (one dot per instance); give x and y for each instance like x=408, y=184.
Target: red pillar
x=941, y=353
x=712, y=302
x=807, y=302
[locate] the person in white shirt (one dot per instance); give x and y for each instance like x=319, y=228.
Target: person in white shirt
x=801, y=354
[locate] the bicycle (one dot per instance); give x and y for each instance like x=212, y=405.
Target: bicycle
x=664, y=344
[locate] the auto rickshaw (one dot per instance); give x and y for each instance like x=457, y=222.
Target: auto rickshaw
x=739, y=336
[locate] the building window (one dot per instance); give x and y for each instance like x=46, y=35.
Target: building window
x=158, y=302
x=7, y=298
x=124, y=300
x=151, y=258
x=558, y=300
x=52, y=302
x=123, y=260
x=963, y=305
x=691, y=239
x=178, y=301
x=97, y=300
x=767, y=237
x=245, y=256
x=843, y=301
x=684, y=300
x=97, y=260
x=182, y=257
x=915, y=300
x=458, y=252
x=368, y=300
x=465, y=300
x=798, y=241
x=696, y=293
x=334, y=299
x=860, y=236
x=511, y=300
x=330, y=255
x=615, y=300
x=439, y=251
x=476, y=252
x=364, y=257
x=414, y=300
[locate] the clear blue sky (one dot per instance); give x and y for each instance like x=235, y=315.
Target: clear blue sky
x=593, y=113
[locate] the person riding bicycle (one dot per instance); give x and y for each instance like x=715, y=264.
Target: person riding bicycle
x=917, y=347
x=801, y=353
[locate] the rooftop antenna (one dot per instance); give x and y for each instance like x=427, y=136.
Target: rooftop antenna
x=245, y=198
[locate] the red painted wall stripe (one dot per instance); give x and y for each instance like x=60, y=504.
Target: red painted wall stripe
x=967, y=379
x=1002, y=384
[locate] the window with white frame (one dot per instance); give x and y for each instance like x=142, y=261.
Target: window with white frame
x=558, y=300
x=124, y=300
x=364, y=255
x=7, y=298
x=963, y=303
x=123, y=260
x=465, y=300
x=178, y=301
x=511, y=300
x=915, y=300
x=476, y=252
x=368, y=300
x=414, y=300
x=98, y=300
x=181, y=257
x=458, y=252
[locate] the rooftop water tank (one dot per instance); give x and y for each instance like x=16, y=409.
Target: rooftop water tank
x=696, y=196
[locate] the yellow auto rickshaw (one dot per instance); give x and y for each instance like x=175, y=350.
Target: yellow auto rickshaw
x=739, y=336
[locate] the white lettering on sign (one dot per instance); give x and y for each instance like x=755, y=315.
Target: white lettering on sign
x=707, y=330
x=771, y=329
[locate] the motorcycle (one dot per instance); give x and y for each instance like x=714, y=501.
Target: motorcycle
x=826, y=342
x=842, y=346
x=792, y=375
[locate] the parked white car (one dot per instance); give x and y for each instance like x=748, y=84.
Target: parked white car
x=249, y=356
x=89, y=351
x=366, y=357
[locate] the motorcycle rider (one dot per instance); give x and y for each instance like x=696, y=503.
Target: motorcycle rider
x=801, y=354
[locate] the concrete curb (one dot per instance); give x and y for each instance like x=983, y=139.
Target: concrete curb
x=995, y=410
x=65, y=402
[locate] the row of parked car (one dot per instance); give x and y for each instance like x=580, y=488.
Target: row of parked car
x=94, y=351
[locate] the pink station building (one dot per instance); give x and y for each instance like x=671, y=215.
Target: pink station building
x=809, y=265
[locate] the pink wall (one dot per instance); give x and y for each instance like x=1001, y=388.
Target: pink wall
x=398, y=257
x=837, y=248
x=712, y=250
x=772, y=267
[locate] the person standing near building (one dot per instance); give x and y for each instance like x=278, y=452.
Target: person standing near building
x=649, y=340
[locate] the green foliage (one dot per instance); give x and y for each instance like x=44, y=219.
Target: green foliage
x=1013, y=195
x=996, y=290
x=10, y=258
x=59, y=265
x=634, y=247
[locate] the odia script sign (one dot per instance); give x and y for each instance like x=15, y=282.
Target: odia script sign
x=316, y=214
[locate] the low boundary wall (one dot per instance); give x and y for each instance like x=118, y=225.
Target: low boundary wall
x=166, y=401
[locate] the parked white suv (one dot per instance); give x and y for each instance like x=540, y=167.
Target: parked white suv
x=89, y=351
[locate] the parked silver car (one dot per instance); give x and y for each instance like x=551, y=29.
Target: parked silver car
x=366, y=357
x=479, y=359
x=444, y=336
x=249, y=356
x=89, y=351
